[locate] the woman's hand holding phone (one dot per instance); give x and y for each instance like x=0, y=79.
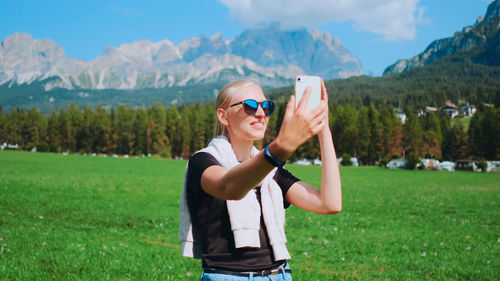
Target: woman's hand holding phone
x=300, y=123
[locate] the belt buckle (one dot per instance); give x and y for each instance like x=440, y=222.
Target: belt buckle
x=270, y=271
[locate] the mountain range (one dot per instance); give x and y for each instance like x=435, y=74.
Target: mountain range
x=269, y=55
x=479, y=43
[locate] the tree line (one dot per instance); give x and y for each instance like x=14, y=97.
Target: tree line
x=372, y=133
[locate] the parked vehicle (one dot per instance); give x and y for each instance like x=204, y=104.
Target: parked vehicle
x=430, y=164
x=397, y=164
x=466, y=165
x=493, y=166
x=317, y=162
x=446, y=166
x=354, y=161
x=303, y=162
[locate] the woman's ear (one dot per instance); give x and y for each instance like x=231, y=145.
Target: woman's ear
x=222, y=116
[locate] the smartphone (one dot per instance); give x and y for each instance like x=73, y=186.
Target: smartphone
x=301, y=83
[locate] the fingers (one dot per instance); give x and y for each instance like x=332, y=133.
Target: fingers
x=320, y=127
x=322, y=117
x=324, y=94
x=319, y=109
x=290, y=107
x=317, y=127
x=305, y=98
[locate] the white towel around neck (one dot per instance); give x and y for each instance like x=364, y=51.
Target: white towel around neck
x=244, y=214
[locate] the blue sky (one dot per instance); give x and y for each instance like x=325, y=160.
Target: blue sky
x=378, y=32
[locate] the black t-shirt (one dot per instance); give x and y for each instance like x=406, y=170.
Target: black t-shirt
x=211, y=225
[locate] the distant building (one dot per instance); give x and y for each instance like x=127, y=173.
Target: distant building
x=451, y=109
x=468, y=110
x=427, y=109
x=9, y=146
x=484, y=106
x=400, y=114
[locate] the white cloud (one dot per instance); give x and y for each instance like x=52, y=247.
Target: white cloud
x=391, y=19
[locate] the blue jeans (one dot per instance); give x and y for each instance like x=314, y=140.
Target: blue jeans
x=282, y=276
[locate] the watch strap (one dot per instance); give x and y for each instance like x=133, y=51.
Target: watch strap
x=271, y=159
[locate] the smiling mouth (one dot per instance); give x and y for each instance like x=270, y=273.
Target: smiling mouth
x=257, y=124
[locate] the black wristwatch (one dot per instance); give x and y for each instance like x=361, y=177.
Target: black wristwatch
x=271, y=159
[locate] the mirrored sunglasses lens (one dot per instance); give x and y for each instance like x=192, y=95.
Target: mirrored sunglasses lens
x=250, y=106
x=268, y=107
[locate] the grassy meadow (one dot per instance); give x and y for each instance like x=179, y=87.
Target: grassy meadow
x=91, y=218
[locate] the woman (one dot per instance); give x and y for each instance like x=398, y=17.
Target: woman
x=234, y=196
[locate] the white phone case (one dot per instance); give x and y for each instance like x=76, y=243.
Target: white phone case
x=301, y=83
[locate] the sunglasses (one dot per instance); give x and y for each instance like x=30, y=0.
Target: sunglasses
x=250, y=106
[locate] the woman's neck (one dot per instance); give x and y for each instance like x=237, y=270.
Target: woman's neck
x=242, y=149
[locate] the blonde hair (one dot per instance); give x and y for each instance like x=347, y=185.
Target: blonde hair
x=224, y=101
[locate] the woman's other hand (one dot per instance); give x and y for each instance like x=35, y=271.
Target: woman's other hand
x=324, y=103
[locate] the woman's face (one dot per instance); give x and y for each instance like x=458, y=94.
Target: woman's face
x=242, y=126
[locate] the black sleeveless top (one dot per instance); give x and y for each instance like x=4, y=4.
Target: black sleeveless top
x=211, y=225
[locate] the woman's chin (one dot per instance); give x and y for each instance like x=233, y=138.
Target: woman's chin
x=256, y=135
x=259, y=136
x=258, y=132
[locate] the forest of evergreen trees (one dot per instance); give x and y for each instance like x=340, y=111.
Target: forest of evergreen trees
x=372, y=133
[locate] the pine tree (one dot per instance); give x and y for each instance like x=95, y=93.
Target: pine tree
x=173, y=130
x=86, y=135
x=490, y=124
x=64, y=131
x=374, y=152
x=74, y=118
x=345, y=129
x=140, y=132
x=123, y=122
x=413, y=133
x=364, y=137
x=53, y=136
x=103, y=130
x=157, y=128
x=32, y=128
x=475, y=134
x=455, y=145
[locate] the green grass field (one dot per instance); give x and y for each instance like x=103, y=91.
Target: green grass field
x=88, y=218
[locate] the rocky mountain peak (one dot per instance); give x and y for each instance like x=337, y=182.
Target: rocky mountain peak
x=493, y=11
x=482, y=36
x=21, y=48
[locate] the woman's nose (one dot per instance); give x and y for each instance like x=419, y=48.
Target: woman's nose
x=260, y=111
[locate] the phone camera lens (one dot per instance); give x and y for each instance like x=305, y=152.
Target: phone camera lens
x=298, y=79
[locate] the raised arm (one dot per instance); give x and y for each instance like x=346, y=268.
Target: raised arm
x=299, y=125
x=328, y=199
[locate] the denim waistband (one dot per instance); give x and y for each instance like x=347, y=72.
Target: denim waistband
x=279, y=269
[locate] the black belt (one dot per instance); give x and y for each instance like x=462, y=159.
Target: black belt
x=248, y=273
